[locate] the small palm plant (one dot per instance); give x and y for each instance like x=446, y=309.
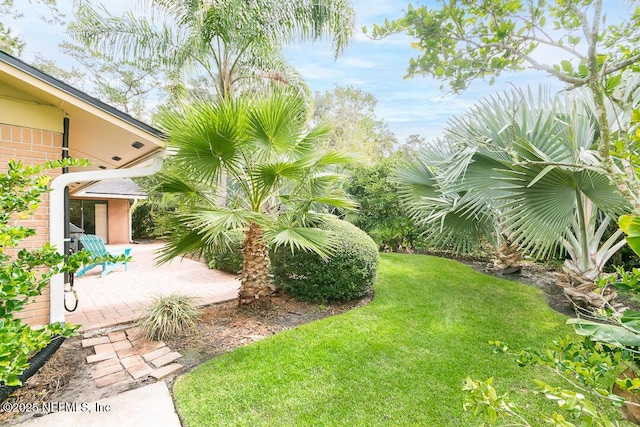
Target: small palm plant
x=250, y=165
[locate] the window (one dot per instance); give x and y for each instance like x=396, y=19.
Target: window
x=83, y=214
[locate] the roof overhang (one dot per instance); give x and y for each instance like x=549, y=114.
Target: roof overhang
x=106, y=136
x=123, y=188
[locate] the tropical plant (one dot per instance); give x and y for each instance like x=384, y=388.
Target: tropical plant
x=168, y=316
x=443, y=213
x=234, y=42
x=277, y=184
x=525, y=167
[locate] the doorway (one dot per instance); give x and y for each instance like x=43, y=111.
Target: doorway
x=91, y=216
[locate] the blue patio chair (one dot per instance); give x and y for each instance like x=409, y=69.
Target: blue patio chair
x=95, y=246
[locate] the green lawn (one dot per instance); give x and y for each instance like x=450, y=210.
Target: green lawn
x=398, y=361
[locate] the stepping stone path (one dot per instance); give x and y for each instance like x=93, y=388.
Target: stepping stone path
x=125, y=356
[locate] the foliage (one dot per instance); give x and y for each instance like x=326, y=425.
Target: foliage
x=523, y=168
x=611, y=340
x=443, y=213
x=168, y=316
x=121, y=84
x=460, y=42
x=482, y=399
x=150, y=218
x=355, y=128
x=25, y=273
x=143, y=225
x=381, y=215
x=411, y=146
x=348, y=273
x=630, y=225
x=229, y=259
x=428, y=324
x=586, y=367
x=9, y=42
x=13, y=44
x=235, y=43
x=250, y=165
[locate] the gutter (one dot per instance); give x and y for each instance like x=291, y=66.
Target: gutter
x=57, y=215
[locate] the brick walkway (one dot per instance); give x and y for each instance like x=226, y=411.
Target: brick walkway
x=122, y=296
x=124, y=356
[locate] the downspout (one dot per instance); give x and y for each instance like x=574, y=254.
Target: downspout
x=65, y=155
x=57, y=216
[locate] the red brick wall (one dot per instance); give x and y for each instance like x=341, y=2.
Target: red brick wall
x=32, y=147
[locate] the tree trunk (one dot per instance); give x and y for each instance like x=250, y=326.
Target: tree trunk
x=255, y=280
x=508, y=258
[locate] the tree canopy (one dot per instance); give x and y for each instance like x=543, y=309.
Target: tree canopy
x=355, y=126
x=234, y=42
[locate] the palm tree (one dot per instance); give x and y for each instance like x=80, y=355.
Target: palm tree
x=444, y=212
x=234, y=42
x=278, y=185
x=531, y=163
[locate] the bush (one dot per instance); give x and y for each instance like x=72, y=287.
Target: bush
x=381, y=214
x=230, y=260
x=24, y=272
x=168, y=316
x=347, y=275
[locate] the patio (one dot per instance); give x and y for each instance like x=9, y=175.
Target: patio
x=122, y=296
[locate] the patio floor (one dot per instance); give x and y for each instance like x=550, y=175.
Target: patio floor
x=122, y=296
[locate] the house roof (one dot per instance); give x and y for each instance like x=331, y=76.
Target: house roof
x=123, y=188
x=106, y=136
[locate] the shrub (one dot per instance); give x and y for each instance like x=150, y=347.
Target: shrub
x=348, y=274
x=229, y=260
x=24, y=272
x=381, y=214
x=168, y=316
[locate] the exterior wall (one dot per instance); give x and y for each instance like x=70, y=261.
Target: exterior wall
x=118, y=219
x=32, y=147
x=118, y=213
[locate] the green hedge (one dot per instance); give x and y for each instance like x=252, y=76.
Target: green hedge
x=348, y=274
x=229, y=261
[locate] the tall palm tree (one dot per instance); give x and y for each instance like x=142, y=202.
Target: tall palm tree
x=234, y=42
x=532, y=163
x=278, y=184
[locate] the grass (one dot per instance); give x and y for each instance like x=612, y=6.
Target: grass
x=398, y=361
x=168, y=316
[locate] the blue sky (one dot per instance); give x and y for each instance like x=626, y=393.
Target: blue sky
x=415, y=105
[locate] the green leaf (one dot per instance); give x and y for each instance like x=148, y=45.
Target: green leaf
x=566, y=66
x=630, y=225
x=605, y=332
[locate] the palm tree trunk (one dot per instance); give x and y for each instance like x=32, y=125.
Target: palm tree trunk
x=255, y=280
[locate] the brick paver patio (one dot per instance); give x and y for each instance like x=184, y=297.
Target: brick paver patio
x=122, y=296
x=126, y=356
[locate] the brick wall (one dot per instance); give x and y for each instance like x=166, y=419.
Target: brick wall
x=32, y=147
